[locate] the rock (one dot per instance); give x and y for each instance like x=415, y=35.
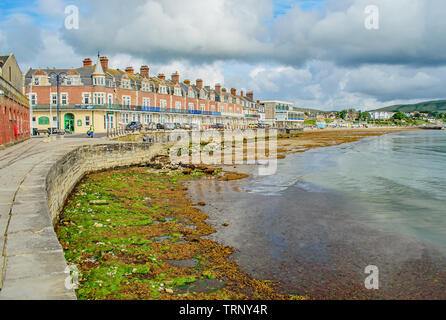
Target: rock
x=98, y=202
x=169, y=291
x=187, y=171
x=225, y=224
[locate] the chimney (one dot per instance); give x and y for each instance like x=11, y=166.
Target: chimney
x=104, y=63
x=250, y=95
x=199, y=83
x=88, y=62
x=176, y=78
x=187, y=82
x=233, y=91
x=130, y=70
x=218, y=87
x=144, y=71
x=161, y=76
x=241, y=93
x=258, y=101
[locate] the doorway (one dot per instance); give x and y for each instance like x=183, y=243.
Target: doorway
x=69, y=122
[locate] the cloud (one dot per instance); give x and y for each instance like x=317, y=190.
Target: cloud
x=20, y=36
x=316, y=54
x=166, y=30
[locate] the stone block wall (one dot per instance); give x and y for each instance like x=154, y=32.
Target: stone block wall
x=69, y=170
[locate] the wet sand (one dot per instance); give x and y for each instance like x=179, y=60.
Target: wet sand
x=309, y=241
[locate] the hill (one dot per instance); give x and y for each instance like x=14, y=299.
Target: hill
x=428, y=106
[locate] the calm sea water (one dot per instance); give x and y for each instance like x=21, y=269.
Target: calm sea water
x=394, y=182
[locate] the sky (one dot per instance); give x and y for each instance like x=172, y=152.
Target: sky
x=314, y=53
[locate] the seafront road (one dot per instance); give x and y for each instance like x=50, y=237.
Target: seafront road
x=32, y=262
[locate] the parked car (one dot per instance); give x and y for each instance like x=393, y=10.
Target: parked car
x=177, y=125
x=151, y=126
x=218, y=126
x=36, y=132
x=160, y=126
x=194, y=126
x=186, y=126
x=134, y=126
x=169, y=126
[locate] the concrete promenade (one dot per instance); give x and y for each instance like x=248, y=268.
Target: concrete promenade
x=32, y=262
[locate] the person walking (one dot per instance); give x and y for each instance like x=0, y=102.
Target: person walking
x=91, y=131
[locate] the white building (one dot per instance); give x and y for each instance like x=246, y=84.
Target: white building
x=381, y=115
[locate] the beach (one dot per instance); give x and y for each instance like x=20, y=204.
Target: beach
x=309, y=241
x=199, y=232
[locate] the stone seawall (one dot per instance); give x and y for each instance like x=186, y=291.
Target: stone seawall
x=37, y=184
x=68, y=171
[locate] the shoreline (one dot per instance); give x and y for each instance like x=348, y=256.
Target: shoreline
x=205, y=232
x=249, y=233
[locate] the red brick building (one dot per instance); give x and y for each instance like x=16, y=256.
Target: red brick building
x=108, y=98
x=14, y=106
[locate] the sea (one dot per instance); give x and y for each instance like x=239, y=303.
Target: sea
x=394, y=182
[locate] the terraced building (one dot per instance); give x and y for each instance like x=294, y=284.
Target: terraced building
x=96, y=95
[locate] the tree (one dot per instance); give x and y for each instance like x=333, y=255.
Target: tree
x=343, y=114
x=365, y=116
x=399, y=116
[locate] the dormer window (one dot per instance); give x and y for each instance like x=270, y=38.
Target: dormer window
x=163, y=90
x=177, y=92
x=145, y=86
x=191, y=93
x=125, y=84
x=98, y=81
x=36, y=81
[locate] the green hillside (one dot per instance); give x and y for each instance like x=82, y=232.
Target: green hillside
x=428, y=106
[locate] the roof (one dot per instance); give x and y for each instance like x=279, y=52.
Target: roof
x=3, y=59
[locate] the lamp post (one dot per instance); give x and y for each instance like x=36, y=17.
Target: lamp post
x=57, y=76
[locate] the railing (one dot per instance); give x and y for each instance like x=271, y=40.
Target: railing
x=12, y=92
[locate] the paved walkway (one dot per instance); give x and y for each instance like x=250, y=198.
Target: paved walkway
x=32, y=263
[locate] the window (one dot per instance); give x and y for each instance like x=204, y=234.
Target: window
x=178, y=92
x=126, y=100
x=54, y=98
x=202, y=107
x=99, y=98
x=68, y=81
x=125, y=84
x=36, y=81
x=110, y=99
x=145, y=86
x=34, y=119
x=163, y=104
x=191, y=93
x=64, y=98
x=146, y=102
x=191, y=106
x=33, y=99
x=79, y=123
x=163, y=90
x=44, y=121
x=87, y=121
x=177, y=105
x=86, y=98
